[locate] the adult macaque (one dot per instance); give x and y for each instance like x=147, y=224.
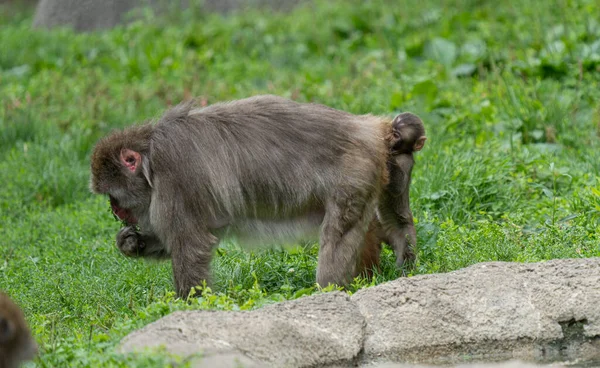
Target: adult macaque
x=263, y=167
x=16, y=343
x=394, y=224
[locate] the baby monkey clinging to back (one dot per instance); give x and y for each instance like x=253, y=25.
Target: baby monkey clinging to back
x=397, y=227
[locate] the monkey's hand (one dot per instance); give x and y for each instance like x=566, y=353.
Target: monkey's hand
x=409, y=255
x=130, y=242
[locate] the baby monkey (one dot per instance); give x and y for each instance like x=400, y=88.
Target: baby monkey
x=408, y=136
x=16, y=343
x=394, y=217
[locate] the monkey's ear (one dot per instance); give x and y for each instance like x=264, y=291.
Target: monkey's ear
x=130, y=159
x=420, y=143
x=7, y=330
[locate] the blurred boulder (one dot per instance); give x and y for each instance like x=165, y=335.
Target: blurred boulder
x=18, y=2
x=88, y=15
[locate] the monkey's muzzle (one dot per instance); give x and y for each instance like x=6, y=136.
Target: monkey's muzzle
x=123, y=214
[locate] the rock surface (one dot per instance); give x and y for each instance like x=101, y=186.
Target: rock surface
x=227, y=360
x=509, y=364
x=537, y=312
x=308, y=332
x=540, y=312
x=87, y=15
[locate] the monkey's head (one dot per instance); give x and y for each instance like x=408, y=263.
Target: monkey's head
x=120, y=168
x=16, y=343
x=408, y=133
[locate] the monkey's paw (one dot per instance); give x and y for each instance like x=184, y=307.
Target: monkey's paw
x=407, y=260
x=129, y=242
x=409, y=255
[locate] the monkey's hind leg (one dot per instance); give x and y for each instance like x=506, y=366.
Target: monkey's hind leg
x=371, y=253
x=342, y=239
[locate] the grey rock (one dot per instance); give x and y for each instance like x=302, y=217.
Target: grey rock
x=18, y=2
x=226, y=360
x=491, y=311
x=541, y=312
x=225, y=6
x=508, y=364
x=81, y=14
x=311, y=331
x=87, y=15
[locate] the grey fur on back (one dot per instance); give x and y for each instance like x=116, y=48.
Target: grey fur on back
x=252, y=153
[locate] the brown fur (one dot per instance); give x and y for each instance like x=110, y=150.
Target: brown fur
x=16, y=343
x=371, y=253
x=259, y=167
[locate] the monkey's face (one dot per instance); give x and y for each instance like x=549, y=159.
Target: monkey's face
x=125, y=177
x=123, y=214
x=408, y=133
x=16, y=343
x=404, y=138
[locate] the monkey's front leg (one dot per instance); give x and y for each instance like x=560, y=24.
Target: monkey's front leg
x=191, y=257
x=133, y=243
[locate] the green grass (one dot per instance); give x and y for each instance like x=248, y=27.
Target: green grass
x=509, y=94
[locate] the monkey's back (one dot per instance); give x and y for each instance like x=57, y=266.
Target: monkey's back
x=267, y=153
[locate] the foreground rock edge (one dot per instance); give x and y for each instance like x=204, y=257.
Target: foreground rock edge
x=536, y=312
x=317, y=330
